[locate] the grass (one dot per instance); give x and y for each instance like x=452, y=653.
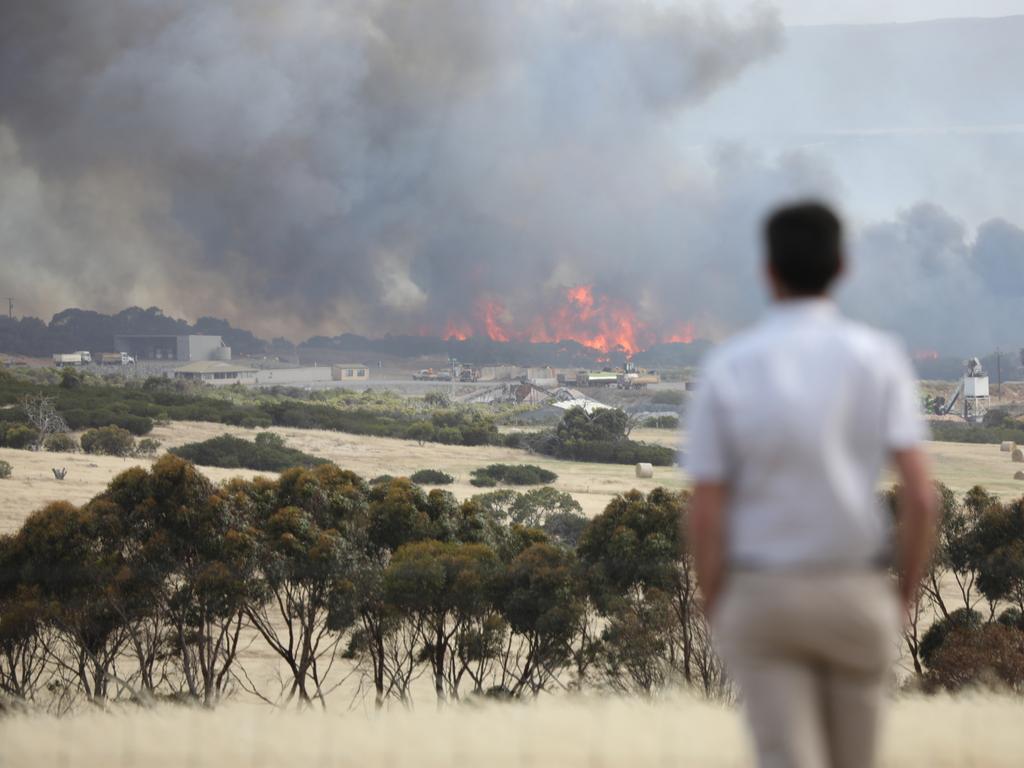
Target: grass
x=562, y=731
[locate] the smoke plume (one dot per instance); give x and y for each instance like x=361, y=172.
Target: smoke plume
x=373, y=165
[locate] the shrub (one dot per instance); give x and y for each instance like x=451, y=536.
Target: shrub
x=512, y=474
x=108, y=441
x=61, y=442
x=267, y=452
x=381, y=480
x=147, y=447
x=668, y=397
x=20, y=436
x=5, y=469
x=420, y=431
x=431, y=477
x=449, y=436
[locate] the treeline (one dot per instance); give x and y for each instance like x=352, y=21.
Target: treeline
x=152, y=590
x=973, y=633
x=155, y=588
x=74, y=329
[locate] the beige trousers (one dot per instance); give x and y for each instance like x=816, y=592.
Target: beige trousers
x=811, y=653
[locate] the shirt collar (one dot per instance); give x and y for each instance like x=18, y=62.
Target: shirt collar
x=801, y=310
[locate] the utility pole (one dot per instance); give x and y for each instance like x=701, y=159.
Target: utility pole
x=10, y=307
x=999, y=373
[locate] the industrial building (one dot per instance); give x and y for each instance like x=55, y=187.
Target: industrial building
x=216, y=372
x=181, y=348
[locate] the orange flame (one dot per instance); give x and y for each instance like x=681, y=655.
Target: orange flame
x=603, y=323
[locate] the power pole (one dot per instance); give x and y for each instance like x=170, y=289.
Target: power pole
x=999, y=373
x=10, y=307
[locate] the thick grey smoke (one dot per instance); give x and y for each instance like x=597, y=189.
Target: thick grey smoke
x=926, y=275
x=373, y=165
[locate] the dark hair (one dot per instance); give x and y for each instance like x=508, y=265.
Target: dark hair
x=804, y=247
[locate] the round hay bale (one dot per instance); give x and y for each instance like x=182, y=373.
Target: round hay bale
x=1007, y=446
x=1018, y=475
x=1017, y=455
x=647, y=470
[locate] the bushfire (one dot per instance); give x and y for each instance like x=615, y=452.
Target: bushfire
x=595, y=320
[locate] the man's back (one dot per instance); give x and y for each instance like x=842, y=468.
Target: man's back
x=800, y=415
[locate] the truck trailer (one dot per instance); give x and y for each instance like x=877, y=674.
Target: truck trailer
x=72, y=358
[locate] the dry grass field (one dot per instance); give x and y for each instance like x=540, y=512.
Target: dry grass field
x=959, y=465
x=562, y=733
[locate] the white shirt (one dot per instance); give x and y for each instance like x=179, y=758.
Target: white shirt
x=799, y=416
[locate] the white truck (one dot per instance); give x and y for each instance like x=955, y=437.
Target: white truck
x=72, y=358
x=116, y=358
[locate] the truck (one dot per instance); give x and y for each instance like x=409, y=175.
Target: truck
x=116, y=358
x=72, y=358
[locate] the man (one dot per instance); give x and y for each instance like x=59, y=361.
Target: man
x=791, y=426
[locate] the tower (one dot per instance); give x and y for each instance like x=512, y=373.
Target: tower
x=975, y=391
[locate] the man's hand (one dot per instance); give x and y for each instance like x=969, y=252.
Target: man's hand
x=707, y=539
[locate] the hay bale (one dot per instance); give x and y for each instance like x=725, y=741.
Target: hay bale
x=647, y=470
x=1007, y=446
x=1018, y=475
x=1017, y=455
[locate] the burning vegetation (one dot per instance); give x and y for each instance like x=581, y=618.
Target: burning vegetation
x=591, y=318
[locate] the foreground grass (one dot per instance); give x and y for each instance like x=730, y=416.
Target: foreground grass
x=563, y=732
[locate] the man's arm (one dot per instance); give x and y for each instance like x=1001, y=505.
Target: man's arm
x=918, y=514
x=707, y=539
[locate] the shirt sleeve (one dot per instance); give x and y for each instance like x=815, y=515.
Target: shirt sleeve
x=707, y=455
x=905, y=427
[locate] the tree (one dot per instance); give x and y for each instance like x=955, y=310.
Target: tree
x=635, y=551
x=190, y=554
x=444, y=586
x=541, y=597
x=58, y=556
x=42, y=415
x=974, y=654
x=997, y=553
x=307, y=562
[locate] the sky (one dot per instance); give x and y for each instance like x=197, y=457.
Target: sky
x=797, y=12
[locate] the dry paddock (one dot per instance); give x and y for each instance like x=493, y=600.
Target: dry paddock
x=561, y=732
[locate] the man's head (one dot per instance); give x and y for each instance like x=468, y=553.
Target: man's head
x=805, y=255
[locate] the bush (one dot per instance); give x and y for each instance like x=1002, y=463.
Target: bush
x=147, y=447
x=267, y=453
x=108, y=441
x=20, y=436
x=5, y=469
x=668, y=397
x=512, y=474
x=431, y=477
x=61, y=442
